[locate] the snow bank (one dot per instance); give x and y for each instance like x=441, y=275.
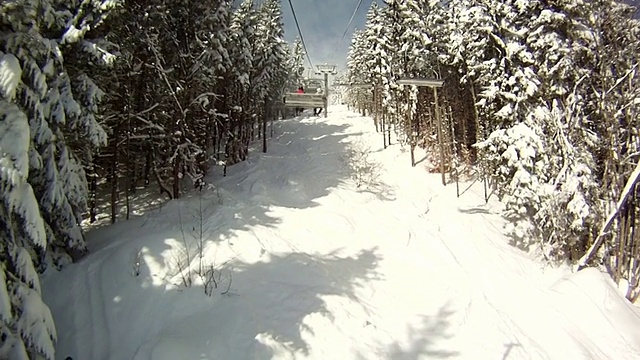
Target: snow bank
x=590, y=302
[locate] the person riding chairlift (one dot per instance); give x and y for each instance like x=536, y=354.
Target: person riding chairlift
x=298, y=109
x=317, y=111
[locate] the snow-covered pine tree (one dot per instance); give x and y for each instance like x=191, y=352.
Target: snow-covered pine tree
x=26, y=325
x=562, y=45
x=516, y=155
x=553, y=88
x=417, y=60
x=295, y=65
x=356, y=70
x=211, y=65
x=71, y=107
x=241, y=112
x=558, y=43
x=453, y=27
x=340, y=92
x=270, y=64
x=394, y=102
x=368, y=59
x=563, y=49
x=176, y=50
x=43, y=103
x=469, y=49
x=162, y=112
x=383, y=34
x=614, y=101
x=133, y=108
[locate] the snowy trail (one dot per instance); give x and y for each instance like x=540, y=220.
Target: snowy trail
x=318, y=268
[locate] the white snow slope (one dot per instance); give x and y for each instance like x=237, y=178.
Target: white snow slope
x=310, y=266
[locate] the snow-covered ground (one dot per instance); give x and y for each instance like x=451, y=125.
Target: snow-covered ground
x=310, y=266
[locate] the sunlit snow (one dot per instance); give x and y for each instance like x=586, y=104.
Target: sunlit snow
x=10, y=73
x=329, y=247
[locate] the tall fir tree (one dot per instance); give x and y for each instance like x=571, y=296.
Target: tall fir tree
x=47, y=100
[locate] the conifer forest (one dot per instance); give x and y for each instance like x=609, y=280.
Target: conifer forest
x=540, y=99
x=102, y=99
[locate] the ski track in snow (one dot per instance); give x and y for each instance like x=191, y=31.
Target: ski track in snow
x=399, y=269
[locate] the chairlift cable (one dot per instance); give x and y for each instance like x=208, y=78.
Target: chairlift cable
x=344, y=34
x=295, y=18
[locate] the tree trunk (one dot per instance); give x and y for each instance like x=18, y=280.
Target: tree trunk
x=114, y=173
x=128, y=157
x=271, y=122
x=133, y=188
x=176, y=176
x=382, y=125
x=264, y=129
x=376, y=111
x=93, y=189
x=389, y=123
x=147, y=166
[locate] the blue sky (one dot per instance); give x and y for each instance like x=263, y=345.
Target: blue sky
x=322, y=23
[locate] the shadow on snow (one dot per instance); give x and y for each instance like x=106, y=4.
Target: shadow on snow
x=266, y=312
x=96, y=317
x=305, y=160
x=423, y=339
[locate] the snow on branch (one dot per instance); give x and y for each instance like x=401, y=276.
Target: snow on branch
x=10, y=74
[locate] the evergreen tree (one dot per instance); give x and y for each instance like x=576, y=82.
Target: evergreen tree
x=547, y=88
x=295, y=65
x=45, y=101
x=271, y=59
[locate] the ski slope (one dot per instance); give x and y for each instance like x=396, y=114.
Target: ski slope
x=329, y=247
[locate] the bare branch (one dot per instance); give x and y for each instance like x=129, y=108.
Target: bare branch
x=628, y=189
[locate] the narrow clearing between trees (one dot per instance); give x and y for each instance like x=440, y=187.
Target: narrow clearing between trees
x=329, y=247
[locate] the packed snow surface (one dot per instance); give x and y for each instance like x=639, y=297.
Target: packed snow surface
x=329, y=247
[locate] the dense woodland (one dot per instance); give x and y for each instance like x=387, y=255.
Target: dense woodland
x=540, y=98
x=109, y=96
x=106, y=97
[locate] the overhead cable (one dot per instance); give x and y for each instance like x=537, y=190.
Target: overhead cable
x=344, y=34
x=295, y=18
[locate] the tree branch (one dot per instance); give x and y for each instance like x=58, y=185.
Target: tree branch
x=628, y=189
